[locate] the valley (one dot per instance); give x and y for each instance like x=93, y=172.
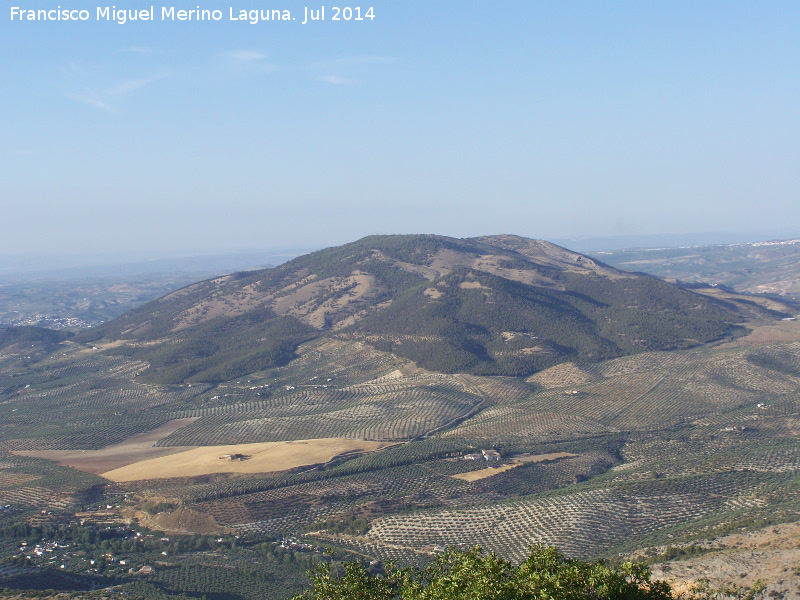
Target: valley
x=769, y=267
x=336, y=408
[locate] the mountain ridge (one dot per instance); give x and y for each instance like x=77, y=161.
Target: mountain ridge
x=492, y=305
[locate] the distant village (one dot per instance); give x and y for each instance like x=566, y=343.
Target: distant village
x=16, y=319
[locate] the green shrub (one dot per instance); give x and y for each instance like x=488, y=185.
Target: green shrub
x=474, y=575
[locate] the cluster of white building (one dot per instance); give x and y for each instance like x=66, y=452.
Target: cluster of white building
x=483, y=454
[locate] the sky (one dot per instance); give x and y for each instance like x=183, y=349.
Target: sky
x=544, y=119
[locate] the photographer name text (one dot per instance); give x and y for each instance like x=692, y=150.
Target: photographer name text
x=112, y=14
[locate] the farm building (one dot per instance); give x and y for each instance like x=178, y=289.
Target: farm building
x=491, y=455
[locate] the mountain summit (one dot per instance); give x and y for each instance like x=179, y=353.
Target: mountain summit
x=493, y=305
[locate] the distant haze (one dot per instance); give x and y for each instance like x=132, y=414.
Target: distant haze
x=668, y=240
x=119, y=265
x=23, y=267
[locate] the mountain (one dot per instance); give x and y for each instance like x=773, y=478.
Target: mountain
x=495, y=305
x=322, y=441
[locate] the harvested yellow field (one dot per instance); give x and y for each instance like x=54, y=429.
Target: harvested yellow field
x=267, y=457
x=135, y=449
x=771, y=333
x=517, y=462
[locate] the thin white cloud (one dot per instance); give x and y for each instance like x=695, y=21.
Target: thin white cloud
x=348, y=68
x=374, y=60
x=355, y=60
x=138, y=49
x=245, y=55
x=245, y=63
x=105, y=98
x=92, y=99
x=335, y=80
x=126, y=87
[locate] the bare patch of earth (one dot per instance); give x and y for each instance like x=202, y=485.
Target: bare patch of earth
x=517, y=462
x=771, y=554
x=135, y=449
x=267, y=457
x=772, y=333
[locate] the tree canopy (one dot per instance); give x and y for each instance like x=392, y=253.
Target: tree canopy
x=475, y=575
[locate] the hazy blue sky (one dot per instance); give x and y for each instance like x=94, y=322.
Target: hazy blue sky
x=545, y=119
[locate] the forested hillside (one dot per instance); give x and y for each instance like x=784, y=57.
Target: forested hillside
x=499, y=305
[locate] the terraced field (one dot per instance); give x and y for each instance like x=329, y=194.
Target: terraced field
x=646, y=392
x=374, y=412
x=656, y=448
x=582, y=522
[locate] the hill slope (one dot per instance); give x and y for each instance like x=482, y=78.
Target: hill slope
x=500, y=305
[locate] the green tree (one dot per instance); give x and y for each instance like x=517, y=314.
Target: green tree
x=475, y=575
